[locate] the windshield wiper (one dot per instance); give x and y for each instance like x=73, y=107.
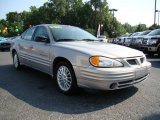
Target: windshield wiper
x=65, y=40
x=88, y=40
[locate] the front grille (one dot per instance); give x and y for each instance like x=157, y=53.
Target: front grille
x=135, y=61
x=138, y=41
x=142, y=60
x=132, y=62
x=145, y=41
x=133, y=40
x=5, y=44
x=131, y=82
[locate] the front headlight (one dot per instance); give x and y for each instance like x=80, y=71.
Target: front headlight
x=98, y=61
x=152, y=41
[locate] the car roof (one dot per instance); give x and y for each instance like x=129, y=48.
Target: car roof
x=54, y=24
x=2, y=38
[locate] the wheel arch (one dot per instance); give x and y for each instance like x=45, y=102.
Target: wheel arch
x=158, y=46
x=13, y=51
x=56, y=61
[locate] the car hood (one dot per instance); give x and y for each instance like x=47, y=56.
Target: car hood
x=140, y=36
x=156, y=36
x=100, y=48
x=2, y=41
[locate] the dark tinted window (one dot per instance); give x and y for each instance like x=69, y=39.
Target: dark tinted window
x=145, y=32
x=28, y=34
x=154, y=32
x=124, y=35
x=130, y=34
x=67, y=33
x=136, y=34
x=41, y=31
x=23, y=34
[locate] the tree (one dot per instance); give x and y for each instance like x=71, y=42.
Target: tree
x=141, y=27
x=14, y=19
x=86, y=15
x=128, y=28
x=57, y=10
x=73, y=13
x=3, y=28
x=154, y=26
x=100, y=10
x=115, y=29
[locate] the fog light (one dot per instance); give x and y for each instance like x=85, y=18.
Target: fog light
x=113, y=86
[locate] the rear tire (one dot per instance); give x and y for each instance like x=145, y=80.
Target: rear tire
x=65, y=78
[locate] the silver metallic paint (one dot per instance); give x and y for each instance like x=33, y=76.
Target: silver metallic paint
x=41, y=56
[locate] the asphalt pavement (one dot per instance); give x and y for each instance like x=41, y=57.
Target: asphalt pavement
x=28, y=94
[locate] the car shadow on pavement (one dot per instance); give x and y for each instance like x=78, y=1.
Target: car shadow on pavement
x=155, y=61
x=155, y=64
x=40, y=91
x=153, y=57
x=7, y=50
x=151, y=117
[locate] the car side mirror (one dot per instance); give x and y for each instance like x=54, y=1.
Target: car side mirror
x=42, y=39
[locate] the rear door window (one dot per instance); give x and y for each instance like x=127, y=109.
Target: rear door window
x=28, y=34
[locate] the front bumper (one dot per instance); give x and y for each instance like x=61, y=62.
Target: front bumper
x=5, y=46
x=111, y=78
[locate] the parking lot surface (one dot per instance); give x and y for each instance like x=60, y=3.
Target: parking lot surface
x=28, y=94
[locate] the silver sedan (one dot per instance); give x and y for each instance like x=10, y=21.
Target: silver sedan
x=75, y=58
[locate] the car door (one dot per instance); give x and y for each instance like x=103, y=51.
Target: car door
x=25, y=46
x=41, y=50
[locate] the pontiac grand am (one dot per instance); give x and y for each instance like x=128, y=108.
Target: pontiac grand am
x=75, y=58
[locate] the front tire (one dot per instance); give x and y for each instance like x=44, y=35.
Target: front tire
x=16, y=61
x=65, y=78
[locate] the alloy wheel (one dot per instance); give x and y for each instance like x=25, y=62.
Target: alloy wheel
x=64, y=78
x=15, y=61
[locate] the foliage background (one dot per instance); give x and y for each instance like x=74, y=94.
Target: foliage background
x=71, y=12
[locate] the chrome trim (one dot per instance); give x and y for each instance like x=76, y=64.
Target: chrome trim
x=34, y=59
x=131, y=82
x=93, y=75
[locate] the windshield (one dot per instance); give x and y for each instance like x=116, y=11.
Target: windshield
x=124, y=36
x=145, y=33
x=154, y=32
x=136, y=34
x=130, y=34
x=70, y=33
